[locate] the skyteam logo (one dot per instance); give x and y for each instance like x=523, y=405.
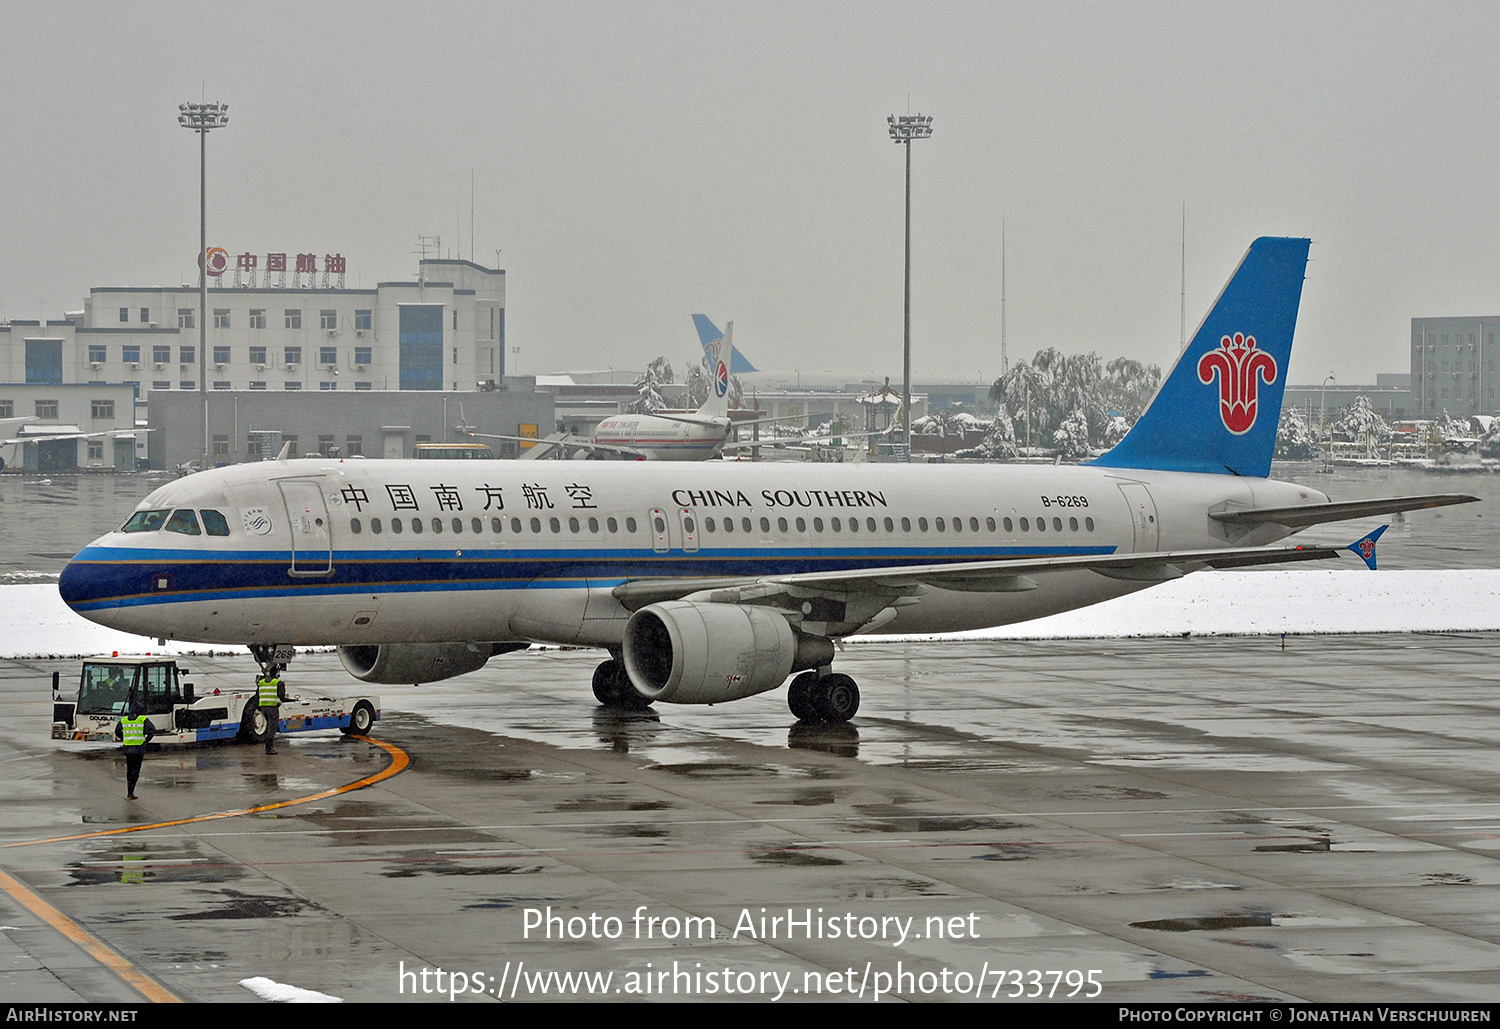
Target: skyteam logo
x=1241, y=368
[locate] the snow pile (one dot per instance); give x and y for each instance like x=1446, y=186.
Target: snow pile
x=1205, y=603
x=270, y=989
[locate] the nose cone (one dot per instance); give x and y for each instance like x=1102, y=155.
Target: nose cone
x=85, y=586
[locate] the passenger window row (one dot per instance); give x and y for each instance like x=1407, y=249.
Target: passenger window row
x=854, y=525
x=497, y=525
x=728, y=526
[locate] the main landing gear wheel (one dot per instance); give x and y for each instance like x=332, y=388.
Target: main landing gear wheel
x=832, y=699
x=612, y=688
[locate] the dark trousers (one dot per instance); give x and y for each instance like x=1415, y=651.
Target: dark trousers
x=273, y=722
x=133, y=758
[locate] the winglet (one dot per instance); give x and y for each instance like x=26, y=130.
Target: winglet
x=1365, y=547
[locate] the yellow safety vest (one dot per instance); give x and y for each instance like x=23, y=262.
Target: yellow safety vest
x=270, y=692
x=133, y=731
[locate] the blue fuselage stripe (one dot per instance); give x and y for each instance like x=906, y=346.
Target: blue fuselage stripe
x=105, y=577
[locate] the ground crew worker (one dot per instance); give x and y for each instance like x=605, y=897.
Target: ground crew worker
x=271, y=693
x=134, y=731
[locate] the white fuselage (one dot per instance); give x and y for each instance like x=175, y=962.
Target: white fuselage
x=497, y=550
x=663, y=439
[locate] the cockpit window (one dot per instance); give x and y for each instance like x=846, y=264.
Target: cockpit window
x=183, y=521
x=214, y=523
x=145, y=521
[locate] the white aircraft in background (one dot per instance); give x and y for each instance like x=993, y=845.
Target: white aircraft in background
x=659, y=437
x=709, y=582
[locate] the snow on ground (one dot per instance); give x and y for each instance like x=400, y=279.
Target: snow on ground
x=270, y=989
x=1205, y=603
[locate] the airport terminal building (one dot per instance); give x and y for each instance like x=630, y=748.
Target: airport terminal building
x=275, y=330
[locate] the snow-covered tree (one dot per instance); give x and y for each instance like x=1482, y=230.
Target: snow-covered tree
x=1072, y=436
x=1360, y=421
x=999, y=443
x=1294, y=440
x=648, y=387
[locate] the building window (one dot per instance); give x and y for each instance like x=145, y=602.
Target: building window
x=187, y=384
x=97, y=354
x=257, y=385
x=258, y=318
x=290, y=443
x=186, y=355
x=328, y=355
x=354, y=446
x=291, y=385
x=102, y=408
x=361, y=319
x=293, y=319
x=130, y=354
x=221, y=355
x=96, y=450
x=221, y=317
x=258, y=355
x=7, y=408
x=44, y=360
x=293, y=355
x=421, y=346
x=221, y=446
x=325, y=386
x=124, y=314
x=161, y=354
x=222, y=384
x=160, y=384
x=325, y=445
x=328, y=319
x=46, y=409
x=145, y=315
x=362, y=385
x=362, y=355
x=184, y=317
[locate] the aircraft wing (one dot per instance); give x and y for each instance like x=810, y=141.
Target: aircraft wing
x=1302, y=516
x=51, y=437
x=888, y=586
x=563, y=441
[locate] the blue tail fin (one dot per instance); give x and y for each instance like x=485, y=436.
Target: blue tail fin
x=707, y=333
x=1218, y=409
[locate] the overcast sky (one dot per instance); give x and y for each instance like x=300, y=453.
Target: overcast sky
x=636, y=162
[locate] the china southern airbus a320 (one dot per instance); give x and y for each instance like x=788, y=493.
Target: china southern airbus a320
x=711, y=582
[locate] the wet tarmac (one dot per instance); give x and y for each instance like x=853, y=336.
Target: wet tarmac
x=1161, y=820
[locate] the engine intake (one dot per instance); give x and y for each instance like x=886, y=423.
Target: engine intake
x=680, y=652
x=399, y=664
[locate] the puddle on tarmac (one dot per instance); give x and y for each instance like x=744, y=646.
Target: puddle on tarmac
x=1310, y=847
x=183, y=863
x=1217, y=922
x=792, y=858
x=644, y=832
x=243, y=905
x=432, y=866
x=586, y=804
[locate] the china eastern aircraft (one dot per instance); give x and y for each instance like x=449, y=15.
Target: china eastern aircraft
x=711, y=582
x=662, y=437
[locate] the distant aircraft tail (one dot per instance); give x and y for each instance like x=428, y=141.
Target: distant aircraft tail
x=1219, y=407
x=707, y=333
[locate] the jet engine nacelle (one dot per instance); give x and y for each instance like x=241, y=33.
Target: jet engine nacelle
x=399, y=664
x=685, y=653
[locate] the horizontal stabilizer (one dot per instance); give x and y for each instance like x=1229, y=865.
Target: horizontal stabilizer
x=1303, y=515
